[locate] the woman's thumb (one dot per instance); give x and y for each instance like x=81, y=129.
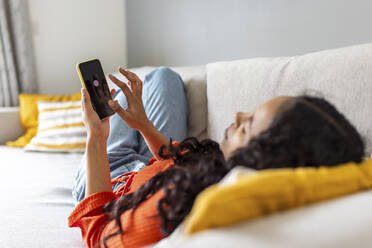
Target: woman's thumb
x=117, y=108
x=112, y=104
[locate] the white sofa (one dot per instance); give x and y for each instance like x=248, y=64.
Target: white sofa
x=36, y=187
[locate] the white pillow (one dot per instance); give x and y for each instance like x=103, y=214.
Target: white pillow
x=60, y=128
x=343, y=76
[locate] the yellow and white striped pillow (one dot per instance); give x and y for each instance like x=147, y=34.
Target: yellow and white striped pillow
x=60, y=128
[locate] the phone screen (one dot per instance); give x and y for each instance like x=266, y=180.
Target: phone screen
x=96, y=85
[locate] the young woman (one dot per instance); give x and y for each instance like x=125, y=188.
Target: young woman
x=148, y=205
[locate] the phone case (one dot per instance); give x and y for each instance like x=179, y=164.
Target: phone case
x=79, y=72
x=83, y=83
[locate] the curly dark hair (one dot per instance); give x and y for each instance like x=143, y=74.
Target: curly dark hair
x=306, y=131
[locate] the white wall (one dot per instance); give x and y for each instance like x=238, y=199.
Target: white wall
x=186, y=32
x=68, y=31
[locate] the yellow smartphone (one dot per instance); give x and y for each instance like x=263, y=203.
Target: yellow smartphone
x=93, y=79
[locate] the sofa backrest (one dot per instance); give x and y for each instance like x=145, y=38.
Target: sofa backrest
x=343, y=76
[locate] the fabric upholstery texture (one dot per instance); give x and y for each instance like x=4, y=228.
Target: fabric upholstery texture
x=36, y=192
x=10, y=125
x=343, y=76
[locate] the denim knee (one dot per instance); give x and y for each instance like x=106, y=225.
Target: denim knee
x=163, y=70
x=165, y=76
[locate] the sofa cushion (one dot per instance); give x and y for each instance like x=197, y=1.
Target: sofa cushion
x=343, y=76
x=194, y=78
x=36, y=199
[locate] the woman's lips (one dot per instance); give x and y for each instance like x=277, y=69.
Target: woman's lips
x=226, y=130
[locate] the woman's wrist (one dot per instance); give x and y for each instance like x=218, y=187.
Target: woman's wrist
x=154, y=138
x=97, y=166
x=96, y=138
x=146, y=127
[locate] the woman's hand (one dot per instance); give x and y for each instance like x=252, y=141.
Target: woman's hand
x=96, y=127
x=135, y=115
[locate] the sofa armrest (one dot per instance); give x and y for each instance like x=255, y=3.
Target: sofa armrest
x=10, y=125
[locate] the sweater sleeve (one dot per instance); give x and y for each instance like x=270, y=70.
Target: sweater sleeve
x=89, y=217
x=140, y=227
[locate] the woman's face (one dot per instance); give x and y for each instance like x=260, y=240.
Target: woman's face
x=249, y=125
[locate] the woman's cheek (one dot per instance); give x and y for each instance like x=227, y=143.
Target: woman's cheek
x=239, y=141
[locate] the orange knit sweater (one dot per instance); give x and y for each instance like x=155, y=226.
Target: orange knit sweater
x=140, y=228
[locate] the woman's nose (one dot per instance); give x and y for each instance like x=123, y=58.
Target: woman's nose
x=237, y=118
x=241, y=117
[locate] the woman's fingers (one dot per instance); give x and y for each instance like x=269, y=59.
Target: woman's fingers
x=135, y=81
x=122, y=86
x=140, y=87
x=127, y=74
x=117, y=108
x=112, y=92
x=138, y=81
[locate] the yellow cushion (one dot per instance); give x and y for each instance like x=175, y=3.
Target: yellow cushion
x=29, y=114
x=271, y=191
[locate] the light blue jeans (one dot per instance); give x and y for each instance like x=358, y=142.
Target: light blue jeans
x=165, y=104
